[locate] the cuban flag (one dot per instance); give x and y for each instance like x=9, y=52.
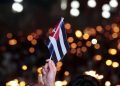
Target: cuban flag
x=57, y=42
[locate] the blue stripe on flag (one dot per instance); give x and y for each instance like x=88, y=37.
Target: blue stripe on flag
x=59, y=48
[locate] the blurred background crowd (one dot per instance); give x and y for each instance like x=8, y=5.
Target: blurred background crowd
x=93, y=33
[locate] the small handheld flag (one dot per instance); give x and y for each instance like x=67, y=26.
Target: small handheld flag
x=57, y=42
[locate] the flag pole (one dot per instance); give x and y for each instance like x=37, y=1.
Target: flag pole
x=54, y=35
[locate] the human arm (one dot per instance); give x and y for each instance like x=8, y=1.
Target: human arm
x=49, y=73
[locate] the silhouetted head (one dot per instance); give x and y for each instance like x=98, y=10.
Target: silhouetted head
x=84, y=80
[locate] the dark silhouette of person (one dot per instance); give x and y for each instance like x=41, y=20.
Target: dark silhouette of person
x=84, y=80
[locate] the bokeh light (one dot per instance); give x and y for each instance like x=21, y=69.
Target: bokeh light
x=97, y=57
x=78, y=33
x=115, y=64
x=12, y=83
x=29, y=37
x=18, y=1
x=91, y=3
x=64, y=83
x=17, y=7
x=34, y=42
x=88, y=43
x=66, y=73
x=109, y=62
x=63, y=4
x=74, y=12
x=115, y=35
x=97, y=46
x=58, y=83
x=113, y=3
x=107, y=83
x=24, y=67
x=94, y=41
x=22, y=83
x=67, y=26
x=31, y=49
x=75, y=4
x=9, y=35
x=86, y=36
x=70, y=39
x=112, y=51
x=106, y=14
x=99, y=28
x=39, y=31
x=106, y=7
x=115, y=29
x=12, y=42
x=73, y=45
x=118, y=45
x=83, y=49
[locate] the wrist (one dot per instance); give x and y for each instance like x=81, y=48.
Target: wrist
x=50, y=84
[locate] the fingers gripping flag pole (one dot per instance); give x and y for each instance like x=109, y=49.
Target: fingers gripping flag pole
x=57, y=42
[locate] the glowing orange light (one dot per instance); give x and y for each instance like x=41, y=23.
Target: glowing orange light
x=86, y=36
x=114, y=35
x=59, y=64
x=115, y=64
x=98, y=57
x=66, y=73
x=64, y=83
x=83, y=49
x=12, y=42
x=92, y=31
x=24, y=67
x=113, y=25
x=9, y=35
x=108, y=62
x=88, y=43
x=99, y=28
x=67, y=26
x=78, y=33
x=31, y=49
x=73, y=45
x=112, y=51
x=97, y=46
x=70, y=39
x=118, y=46
x=34, y=42
x=116, y=29
x=29, y=37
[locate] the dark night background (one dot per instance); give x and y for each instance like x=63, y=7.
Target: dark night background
x=41, y=15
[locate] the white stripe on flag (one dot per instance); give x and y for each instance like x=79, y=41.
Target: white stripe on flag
x=64, y=50
x=54, y=43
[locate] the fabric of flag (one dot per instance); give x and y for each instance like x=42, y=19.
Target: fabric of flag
x=57, y=42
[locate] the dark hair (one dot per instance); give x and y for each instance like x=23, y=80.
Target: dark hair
x=84, y=80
